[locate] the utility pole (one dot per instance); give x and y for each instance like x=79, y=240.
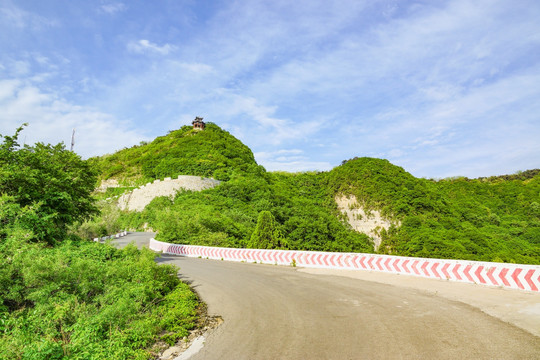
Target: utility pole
x=72, y=140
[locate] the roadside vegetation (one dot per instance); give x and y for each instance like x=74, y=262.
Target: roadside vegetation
x=303, y=216
x=62, y=297
x=488, y=219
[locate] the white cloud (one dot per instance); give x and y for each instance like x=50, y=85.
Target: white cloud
x=260, y=124
x=292, y=160
x=145, y=46
x=19, y=18
x=113, y=8
x=283, y=155
x=412, y=83
x=198, y=68
x=20, y=68
x=51, y=120
x=7, y=88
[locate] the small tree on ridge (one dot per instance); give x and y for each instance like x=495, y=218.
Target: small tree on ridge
x=267, y=234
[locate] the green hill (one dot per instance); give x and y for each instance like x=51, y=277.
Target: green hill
x=490, y=219
x=209, y=153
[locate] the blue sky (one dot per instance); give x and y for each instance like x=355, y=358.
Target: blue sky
x=441, y=88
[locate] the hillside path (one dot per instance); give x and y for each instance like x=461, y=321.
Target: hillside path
x=276, y=312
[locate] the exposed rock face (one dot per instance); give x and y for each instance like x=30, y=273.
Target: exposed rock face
x=139, y=198
x=369, y=222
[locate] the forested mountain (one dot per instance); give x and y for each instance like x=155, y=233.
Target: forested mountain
x=491, y=219
x=210, y=153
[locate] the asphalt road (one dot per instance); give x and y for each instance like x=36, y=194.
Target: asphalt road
x=275, y=312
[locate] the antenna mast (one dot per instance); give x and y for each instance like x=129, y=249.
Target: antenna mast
x=72, y=140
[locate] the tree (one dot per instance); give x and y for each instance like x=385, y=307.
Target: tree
x=56, y=182
x=267, y=234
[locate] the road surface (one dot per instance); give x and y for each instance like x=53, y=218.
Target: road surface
x=277, y=312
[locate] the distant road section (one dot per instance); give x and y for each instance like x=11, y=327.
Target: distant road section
x=278, y=312
x=140, y=239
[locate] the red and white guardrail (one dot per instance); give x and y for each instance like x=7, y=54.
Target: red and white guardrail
x=514, y=276
x=115, y=236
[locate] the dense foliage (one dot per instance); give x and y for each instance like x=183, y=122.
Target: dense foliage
x=227, y=215
x=105, y=223
x=88, y=301
x=267, y=234
x=55, y=182
x=490, y=219
x=61, y=297
x=210, y=153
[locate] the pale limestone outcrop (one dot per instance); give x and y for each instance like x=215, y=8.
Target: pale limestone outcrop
x=142, y=196
x=105, y=184
x=369, y=222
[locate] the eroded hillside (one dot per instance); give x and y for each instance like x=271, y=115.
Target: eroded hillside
x=363, y=220
x=364, y=205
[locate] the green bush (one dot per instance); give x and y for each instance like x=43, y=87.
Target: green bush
x=64, y=298
x=107, y=222
x=56, y=182
x=267, y=234
x=89, y=301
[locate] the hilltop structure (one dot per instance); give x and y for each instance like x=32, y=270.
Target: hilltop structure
x=198, y=123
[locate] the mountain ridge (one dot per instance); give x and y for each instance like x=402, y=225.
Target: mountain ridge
x=487, y=219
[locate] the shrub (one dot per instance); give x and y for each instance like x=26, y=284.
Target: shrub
x=88, y=300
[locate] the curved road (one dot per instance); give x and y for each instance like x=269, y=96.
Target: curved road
x=275, y=312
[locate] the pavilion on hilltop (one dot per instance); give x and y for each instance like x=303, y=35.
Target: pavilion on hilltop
x=198, y=123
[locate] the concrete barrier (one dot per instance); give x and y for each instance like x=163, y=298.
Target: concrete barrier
x=117, y=235
x=513, y=276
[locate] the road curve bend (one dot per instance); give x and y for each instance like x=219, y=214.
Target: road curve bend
x=276, y=312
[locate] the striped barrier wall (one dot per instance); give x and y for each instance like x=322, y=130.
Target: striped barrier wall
x=514, y=276
x=115, y=236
